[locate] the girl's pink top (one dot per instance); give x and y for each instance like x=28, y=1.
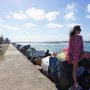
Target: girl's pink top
x=75, y=48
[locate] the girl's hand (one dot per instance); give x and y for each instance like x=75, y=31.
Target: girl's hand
x=82, y=55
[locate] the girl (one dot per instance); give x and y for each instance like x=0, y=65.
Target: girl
x=75, y=51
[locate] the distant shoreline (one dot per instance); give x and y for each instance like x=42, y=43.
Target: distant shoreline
x=49, y=42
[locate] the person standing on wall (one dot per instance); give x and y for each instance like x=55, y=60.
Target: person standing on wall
x=75, y=51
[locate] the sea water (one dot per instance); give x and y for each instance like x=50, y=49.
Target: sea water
x=54, y=47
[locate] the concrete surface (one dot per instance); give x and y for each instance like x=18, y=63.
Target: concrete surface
x=18, y=73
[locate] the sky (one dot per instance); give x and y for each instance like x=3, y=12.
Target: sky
x=43, y=20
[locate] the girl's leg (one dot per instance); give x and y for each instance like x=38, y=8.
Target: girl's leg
x=75, y=66
x=76, y=86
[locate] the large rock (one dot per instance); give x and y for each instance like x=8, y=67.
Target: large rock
x=61, y=72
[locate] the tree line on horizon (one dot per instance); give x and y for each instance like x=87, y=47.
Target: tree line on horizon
x=4, y=41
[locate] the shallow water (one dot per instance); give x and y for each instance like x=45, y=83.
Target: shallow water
x=54, y=47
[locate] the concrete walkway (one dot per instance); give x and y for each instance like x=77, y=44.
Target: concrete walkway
x=18, y=73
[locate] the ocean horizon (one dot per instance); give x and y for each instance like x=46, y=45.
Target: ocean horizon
x=53, y=47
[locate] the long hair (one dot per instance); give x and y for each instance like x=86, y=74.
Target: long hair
x=73, y=31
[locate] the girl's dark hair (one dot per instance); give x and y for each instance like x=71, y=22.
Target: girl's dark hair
x=73, y=31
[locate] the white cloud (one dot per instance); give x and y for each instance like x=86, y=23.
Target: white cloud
x=54, y=26
x=8, y=16
x=29, y=25
x=19, y=15
x=0, y=19
x=70, y=15
x=51, y=15
x=71, y=7
x=88, y=8
x=9, y=27
x=37, y=14
x=70, y=12
x=87, y=16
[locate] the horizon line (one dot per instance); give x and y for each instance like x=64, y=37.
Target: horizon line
x=45, y=41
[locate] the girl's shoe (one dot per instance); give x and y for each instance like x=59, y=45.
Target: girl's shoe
x=75, y=87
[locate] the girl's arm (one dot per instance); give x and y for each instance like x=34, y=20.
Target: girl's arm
x=70, y=45
x=82, y=46
x=70, y=51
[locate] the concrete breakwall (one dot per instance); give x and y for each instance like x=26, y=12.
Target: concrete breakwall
x=18, y=73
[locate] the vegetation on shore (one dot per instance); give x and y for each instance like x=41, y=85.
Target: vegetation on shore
x=4, y=43
x=3, y=49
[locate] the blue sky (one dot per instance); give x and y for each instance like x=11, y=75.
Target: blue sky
x=43, y=20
